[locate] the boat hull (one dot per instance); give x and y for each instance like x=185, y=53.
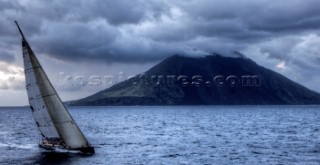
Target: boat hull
x=85, y=150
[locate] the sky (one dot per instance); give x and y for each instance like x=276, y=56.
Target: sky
x=79, y=41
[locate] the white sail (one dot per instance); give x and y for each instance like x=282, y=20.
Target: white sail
x=50, y=114
x=36, y=102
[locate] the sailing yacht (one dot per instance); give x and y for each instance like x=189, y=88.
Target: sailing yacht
x=56, y=125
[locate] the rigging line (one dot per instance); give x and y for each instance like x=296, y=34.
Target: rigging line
x=62, y=122
x=41, y=97
x=27, y=69
x=48, y=95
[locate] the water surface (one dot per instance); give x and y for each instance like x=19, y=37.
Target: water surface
x=173, y=135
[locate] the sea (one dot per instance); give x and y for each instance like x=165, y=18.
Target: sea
x=172, y=135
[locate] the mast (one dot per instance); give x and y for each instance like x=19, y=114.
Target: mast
x=23, y=38
x=52, y=117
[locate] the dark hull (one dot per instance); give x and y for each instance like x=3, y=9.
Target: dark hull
x=86, y=150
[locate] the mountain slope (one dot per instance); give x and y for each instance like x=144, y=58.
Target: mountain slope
x=211, y=80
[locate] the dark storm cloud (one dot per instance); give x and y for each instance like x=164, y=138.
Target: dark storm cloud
x=259, y=15
x=85, y=34
x=141, y=31
x=6, y=56
x=103, y=44
x=115, y=12
x=75, y=41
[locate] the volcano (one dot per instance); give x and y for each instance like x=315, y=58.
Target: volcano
x=209, y=80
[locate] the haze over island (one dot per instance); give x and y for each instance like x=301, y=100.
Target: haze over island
x=123, y=38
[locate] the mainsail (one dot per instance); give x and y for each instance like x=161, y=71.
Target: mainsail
x=52, y=118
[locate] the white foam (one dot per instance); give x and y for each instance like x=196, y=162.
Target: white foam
x=4, y=132
x=20, y=146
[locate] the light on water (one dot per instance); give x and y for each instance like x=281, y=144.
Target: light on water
x=174, y=135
